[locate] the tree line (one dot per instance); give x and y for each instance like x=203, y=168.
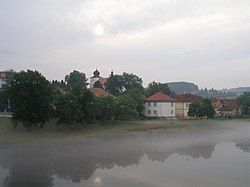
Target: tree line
x=35, y=100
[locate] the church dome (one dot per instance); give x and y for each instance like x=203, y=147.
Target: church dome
x=96, y=73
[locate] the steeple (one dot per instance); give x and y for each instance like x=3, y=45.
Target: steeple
x=112, y=73
x=96, y=73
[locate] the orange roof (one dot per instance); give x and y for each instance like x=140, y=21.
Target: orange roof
x=159, y=96
x=188, y=98
x=103, y=80
x=100, y=92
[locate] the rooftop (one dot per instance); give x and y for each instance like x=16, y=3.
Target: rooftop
x=188, y=98
x=100, y=92
x=159, y=96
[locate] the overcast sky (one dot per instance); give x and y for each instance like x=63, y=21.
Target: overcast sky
x=203, y=41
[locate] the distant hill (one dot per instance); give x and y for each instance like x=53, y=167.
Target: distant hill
x=240, y=90
x=183, y=87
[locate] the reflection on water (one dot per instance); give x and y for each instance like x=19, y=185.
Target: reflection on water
x=214, y=155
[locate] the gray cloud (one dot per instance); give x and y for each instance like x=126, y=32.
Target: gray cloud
x=206, y=42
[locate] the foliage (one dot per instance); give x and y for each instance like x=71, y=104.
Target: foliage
x=61, y=85
x=31, y=97
x=114, y=85
x=126, y=107
x=138, y=98
x=105, y=108
x=76, y=78
x=155, y=87
x=196, y=109
x=201, y=109
x=75, y=106
x=97, y=84
x=118, y=84
x=244, y=101
x=131, y=81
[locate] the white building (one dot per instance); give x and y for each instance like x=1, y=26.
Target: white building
x=2, y=79
x=96, y=78
x=182, y=104
x=160, y=105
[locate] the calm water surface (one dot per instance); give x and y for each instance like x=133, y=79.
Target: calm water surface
x=209, y=154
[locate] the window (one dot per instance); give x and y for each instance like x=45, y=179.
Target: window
x=172, y=112
x=155, y=112
x=172, y=104
x=149, y=111
x=149, y=104
x=155, y=103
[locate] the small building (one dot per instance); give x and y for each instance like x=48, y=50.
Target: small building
x=2, y=79
x=182, y=104
x=100, y=92
x=230, y=108
x=97, y=77
x=160, y=105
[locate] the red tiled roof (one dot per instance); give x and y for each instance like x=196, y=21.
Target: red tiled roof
x=188, y=98
x=100, y=92
x=159, y=96
x=103, y=80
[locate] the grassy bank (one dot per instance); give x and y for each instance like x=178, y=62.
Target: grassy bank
x=9, y=134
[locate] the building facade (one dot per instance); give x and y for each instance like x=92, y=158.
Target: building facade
x=160, y=105
x=96, y=78
x=182, y=104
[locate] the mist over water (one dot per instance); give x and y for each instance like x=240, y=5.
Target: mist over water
x=205, y=154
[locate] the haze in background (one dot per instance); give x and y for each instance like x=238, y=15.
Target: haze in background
x=201, y=41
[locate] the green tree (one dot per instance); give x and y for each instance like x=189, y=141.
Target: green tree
x=138, y=98
x=196, y=109
x=155, y=87
x=75, y=106
x=105, y=108
x=76, y=78
x=31, y=97
x=201, y=109
x=244, y=101
x=114, y=85
x=126, y=107
x=208, y=108
x=131, y=81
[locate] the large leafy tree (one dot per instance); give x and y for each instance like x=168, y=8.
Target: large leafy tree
x=138, y=98
x=244, y=101
x=131, y=81
x=155, y=87
x=118, y=84
x=208, y=108
x=76, y=78
x=115, y=85
x=105, y=108
x=31, y=97
x=201, y=109
x=75, y=106
x=126, y=107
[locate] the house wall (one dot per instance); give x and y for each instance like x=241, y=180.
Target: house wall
x=2, y=82
x=163, y=109
x=92, y=81
x=181, y=109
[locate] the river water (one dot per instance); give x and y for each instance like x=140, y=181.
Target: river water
x=208, y=154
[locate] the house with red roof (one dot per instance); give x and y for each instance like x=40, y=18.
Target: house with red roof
x=160, y=105
x=97, y=77
x=182, y=104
